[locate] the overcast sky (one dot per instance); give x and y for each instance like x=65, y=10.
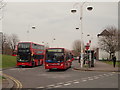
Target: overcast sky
x=54, y=20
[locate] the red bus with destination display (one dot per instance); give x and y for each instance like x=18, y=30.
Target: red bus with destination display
x=30, y=54
x=58, y=58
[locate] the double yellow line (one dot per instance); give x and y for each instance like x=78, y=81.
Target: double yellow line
x=18, y=83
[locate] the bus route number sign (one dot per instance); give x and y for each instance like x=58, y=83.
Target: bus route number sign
x=54, y=50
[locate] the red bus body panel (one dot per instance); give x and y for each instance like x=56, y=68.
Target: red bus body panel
x=24, y=64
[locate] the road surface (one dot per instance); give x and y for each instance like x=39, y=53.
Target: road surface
x=38, y=77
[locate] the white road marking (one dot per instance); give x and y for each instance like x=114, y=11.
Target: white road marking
x=59, y=83
x=57, y=86
x=69, y=81
x=67, y=84
x=96, y=77
x=113, y=72
x=40, y=87
x=76, y=82
x=51, y=85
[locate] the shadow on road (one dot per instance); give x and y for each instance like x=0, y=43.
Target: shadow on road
x=26, y=66
x=57, y=70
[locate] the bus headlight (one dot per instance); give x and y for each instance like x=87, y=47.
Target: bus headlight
x=61, y=64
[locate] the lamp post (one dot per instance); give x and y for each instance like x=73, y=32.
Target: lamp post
x=81, y=25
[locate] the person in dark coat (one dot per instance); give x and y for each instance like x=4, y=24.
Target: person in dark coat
x=79, y=59
x=114, y=60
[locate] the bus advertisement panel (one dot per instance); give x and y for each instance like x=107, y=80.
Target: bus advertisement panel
x=58, y=58
x=30, y=54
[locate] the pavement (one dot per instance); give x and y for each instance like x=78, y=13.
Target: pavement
x=6, y=82
x=99, y=66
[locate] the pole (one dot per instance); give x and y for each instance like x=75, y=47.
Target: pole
x=81, y=19
x=81, y=24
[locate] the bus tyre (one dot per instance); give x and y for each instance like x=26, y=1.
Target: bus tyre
x=50, y=69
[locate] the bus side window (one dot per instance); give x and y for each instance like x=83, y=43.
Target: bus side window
x=67, y=57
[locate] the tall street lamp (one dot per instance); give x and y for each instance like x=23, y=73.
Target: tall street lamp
x=81, y=25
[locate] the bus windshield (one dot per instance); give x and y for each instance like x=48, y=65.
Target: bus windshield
x=24, y=45
x=55, y=55
x=23, y=58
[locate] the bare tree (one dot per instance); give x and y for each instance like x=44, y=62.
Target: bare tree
x=4, y=42
x=109, y=40
x=12, y=41
x=8, y=43
x=77, y=47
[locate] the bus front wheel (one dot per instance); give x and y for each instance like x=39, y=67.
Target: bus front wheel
x=50, y=69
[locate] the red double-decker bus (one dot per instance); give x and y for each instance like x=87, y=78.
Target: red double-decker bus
x=58, y=58
x=30, y=54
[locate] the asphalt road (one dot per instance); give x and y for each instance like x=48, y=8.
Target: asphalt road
x=38, y=77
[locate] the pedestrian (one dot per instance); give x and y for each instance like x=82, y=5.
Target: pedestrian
x=79, y=59
x=114, y=60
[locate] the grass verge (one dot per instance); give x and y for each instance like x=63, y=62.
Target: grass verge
x=8, y=61
x=111, y=63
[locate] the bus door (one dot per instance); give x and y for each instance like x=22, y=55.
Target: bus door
x=67, y=61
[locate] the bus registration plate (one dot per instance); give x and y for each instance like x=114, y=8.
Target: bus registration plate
x=54, y=64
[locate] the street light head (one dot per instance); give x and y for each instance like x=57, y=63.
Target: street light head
x=73, y=10
x=89, y=8
x=77, y=28
x=88, y=34
x=33, y=27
